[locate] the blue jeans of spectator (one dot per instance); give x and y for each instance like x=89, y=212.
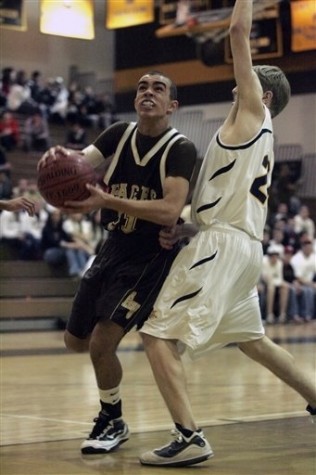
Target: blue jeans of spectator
x=76, y=259
x=302, y=303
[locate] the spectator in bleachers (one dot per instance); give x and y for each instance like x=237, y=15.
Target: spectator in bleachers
x=19, y=98
x=22, y=232
x=276, y=287
x=58, y=110
x=90, y=104
x=36, y=86
x=79, y=228
x=284, y=188
x=54, y=239
x=277, y=237
x=9, y=131
x=303, y=222
x=304, y=265
x=297, y=292
x=46, y=97
x=60, y=247
x=76, y=138
x=36, y=135
x=106, y=110
x=266, y=239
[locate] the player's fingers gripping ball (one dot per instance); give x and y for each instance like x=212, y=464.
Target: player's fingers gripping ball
x=65, y=179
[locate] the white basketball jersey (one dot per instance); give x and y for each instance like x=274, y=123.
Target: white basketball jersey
x=233, y=181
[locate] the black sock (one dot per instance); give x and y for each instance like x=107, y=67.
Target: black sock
x=113, y=411
x=183, y=430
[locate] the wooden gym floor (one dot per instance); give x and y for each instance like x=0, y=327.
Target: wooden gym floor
x=255, y=424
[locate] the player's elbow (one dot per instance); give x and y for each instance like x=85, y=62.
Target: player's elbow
x=237, y=30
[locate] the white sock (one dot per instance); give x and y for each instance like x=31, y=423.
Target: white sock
x=110, y=396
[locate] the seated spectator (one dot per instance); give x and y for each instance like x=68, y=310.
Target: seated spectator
x=19, y=97
x=276, y=287
x=278, y=237
x=297, y=292
x=21, y=188
x=9, y=131
x=76, y=138
x=58, y=110
x=303, y=222
x=98, y=237
x=80, y=230
x=266, y=239
x=36, y=133
x=21, y=233
x=304, y=265
x=59, y=247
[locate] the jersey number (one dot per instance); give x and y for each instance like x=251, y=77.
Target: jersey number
x=261, y=182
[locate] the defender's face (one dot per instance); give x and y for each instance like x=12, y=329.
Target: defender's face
x=153, y=96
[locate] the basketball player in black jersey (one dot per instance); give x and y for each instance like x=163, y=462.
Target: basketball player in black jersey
x=147, y=183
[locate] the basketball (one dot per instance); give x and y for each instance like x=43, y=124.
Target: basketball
x=65, y=179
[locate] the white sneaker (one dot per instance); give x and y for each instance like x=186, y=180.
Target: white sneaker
x=180, y=452
x=105, y=437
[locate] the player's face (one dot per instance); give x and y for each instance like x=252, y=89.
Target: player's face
x=153, y=97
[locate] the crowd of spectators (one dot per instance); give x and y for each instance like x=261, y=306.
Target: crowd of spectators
x=49, y=235
x=39, y=102
x=287, y=285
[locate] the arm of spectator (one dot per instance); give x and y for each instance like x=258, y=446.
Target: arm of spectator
x=21, y=203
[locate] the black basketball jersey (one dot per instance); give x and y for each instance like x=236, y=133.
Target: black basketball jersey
x=137, y=171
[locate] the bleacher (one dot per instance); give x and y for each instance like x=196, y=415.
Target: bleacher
x=33, y=296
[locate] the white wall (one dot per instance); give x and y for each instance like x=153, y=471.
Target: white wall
x=52, y=55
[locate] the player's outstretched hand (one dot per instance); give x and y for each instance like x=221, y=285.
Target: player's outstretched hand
x=18, y=204
x=52, y=154
x=97, y=199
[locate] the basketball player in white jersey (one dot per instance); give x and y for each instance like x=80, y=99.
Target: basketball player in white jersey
x=210, y=298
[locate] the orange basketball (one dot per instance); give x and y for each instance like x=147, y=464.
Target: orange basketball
x=65, y=179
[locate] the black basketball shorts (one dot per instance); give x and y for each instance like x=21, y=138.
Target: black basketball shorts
x=121, y=285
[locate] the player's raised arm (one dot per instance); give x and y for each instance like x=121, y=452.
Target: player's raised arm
x=249, y=88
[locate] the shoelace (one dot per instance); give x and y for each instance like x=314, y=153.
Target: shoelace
x=101, y=424
x=177, y=436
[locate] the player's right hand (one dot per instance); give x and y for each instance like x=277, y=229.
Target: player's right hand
x=51, y=155
x=168, y=237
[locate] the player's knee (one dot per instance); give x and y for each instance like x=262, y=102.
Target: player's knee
x=75, y=344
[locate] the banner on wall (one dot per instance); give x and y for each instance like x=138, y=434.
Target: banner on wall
x=303, y=14
x=124, y=13
x=69, y=18
x=12, y=14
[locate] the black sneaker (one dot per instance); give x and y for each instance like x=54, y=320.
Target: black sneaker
x=312, y=411
x=106, y=435
x=180, y=452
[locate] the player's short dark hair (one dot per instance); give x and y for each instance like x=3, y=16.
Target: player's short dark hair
x=173, y=87
x=273, y=79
